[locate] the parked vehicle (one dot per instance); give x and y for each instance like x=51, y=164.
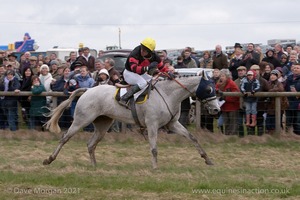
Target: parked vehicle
x=119, y=56
x=64, y=53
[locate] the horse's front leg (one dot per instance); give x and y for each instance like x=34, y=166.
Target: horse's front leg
x=178, y=128
x=152, y=136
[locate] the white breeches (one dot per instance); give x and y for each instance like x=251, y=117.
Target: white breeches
x=135, y=79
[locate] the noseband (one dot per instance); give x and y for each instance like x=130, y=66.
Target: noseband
x=205, y=101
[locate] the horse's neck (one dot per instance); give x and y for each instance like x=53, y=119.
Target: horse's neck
x=175, y=91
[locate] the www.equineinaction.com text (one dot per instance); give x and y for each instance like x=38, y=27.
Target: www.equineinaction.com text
x=242, y=191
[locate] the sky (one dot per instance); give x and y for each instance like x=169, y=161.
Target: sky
x=172, y=23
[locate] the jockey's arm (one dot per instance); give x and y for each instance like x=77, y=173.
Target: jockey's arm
x=136, y=67
x=161, y=67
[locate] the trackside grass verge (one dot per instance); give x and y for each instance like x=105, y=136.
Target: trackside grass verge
x=245, y=168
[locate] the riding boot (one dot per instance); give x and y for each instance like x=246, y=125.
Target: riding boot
x=124, y=99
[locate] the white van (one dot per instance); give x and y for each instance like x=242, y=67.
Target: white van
x=64, y=53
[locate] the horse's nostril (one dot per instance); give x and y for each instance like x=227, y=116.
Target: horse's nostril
x=216, y=110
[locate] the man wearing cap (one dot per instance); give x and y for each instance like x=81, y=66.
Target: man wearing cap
x=261, y=109
x=242, y=70
x=250, y=57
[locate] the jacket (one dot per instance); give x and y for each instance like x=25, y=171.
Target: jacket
x=231, y=103
x=295, y=81
x=85, y=82
x=38, y=103
x=220, y=61
x=276, y=86
x=272, y=60
x=250, y=58
x=137, y=63
x=90, y=62
x=250, y=86
x=235, y=62
x=12, y=86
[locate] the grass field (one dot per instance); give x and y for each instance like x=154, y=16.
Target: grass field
x=249, y=168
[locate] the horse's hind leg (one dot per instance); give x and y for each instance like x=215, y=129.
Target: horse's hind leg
x=75, y=127
x=102, y=124
x=178, y=128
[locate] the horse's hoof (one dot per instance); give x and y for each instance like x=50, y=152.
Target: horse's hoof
x=46, y=162
x=208, y=162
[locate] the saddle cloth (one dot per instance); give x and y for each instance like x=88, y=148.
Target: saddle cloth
x=140, y=97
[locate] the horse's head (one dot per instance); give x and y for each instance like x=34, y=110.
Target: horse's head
x=206, y=93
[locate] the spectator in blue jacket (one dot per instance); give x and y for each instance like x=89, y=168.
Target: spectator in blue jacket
x=82, y=80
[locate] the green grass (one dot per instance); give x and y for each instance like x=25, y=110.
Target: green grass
x=244, y=169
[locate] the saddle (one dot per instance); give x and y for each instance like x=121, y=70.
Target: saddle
x=139, y=98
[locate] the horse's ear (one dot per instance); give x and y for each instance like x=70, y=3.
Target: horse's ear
x=204, y=75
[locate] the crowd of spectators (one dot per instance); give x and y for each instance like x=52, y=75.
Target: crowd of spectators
x=45, y=74
x=249, y=71
x=246, y=71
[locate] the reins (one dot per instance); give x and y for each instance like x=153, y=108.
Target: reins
x=183, y=86
x=171, y=78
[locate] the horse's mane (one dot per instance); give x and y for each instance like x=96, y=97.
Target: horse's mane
x=177, y=77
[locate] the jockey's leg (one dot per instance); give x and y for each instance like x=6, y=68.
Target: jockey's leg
x=128, y=95
x=176, y=127
x=137, y=81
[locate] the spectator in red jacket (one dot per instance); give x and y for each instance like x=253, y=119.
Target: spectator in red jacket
x=231, y=106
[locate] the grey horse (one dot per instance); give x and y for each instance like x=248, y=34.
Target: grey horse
x=98, y=106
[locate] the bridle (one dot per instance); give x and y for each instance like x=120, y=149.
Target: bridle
x=204, y=101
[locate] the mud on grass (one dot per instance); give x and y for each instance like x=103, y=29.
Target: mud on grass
x=245, y=168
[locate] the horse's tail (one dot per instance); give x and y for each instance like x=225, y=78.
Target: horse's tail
x=55, y=114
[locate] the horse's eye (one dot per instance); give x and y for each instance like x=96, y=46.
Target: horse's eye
x=209, y=90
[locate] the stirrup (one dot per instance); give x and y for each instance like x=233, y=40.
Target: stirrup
x=124, y=103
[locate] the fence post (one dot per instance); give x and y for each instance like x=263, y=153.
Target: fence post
x=277, y=115
x=54, y=102
x=198, y=115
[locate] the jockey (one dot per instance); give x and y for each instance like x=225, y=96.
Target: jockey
x=142, y=62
